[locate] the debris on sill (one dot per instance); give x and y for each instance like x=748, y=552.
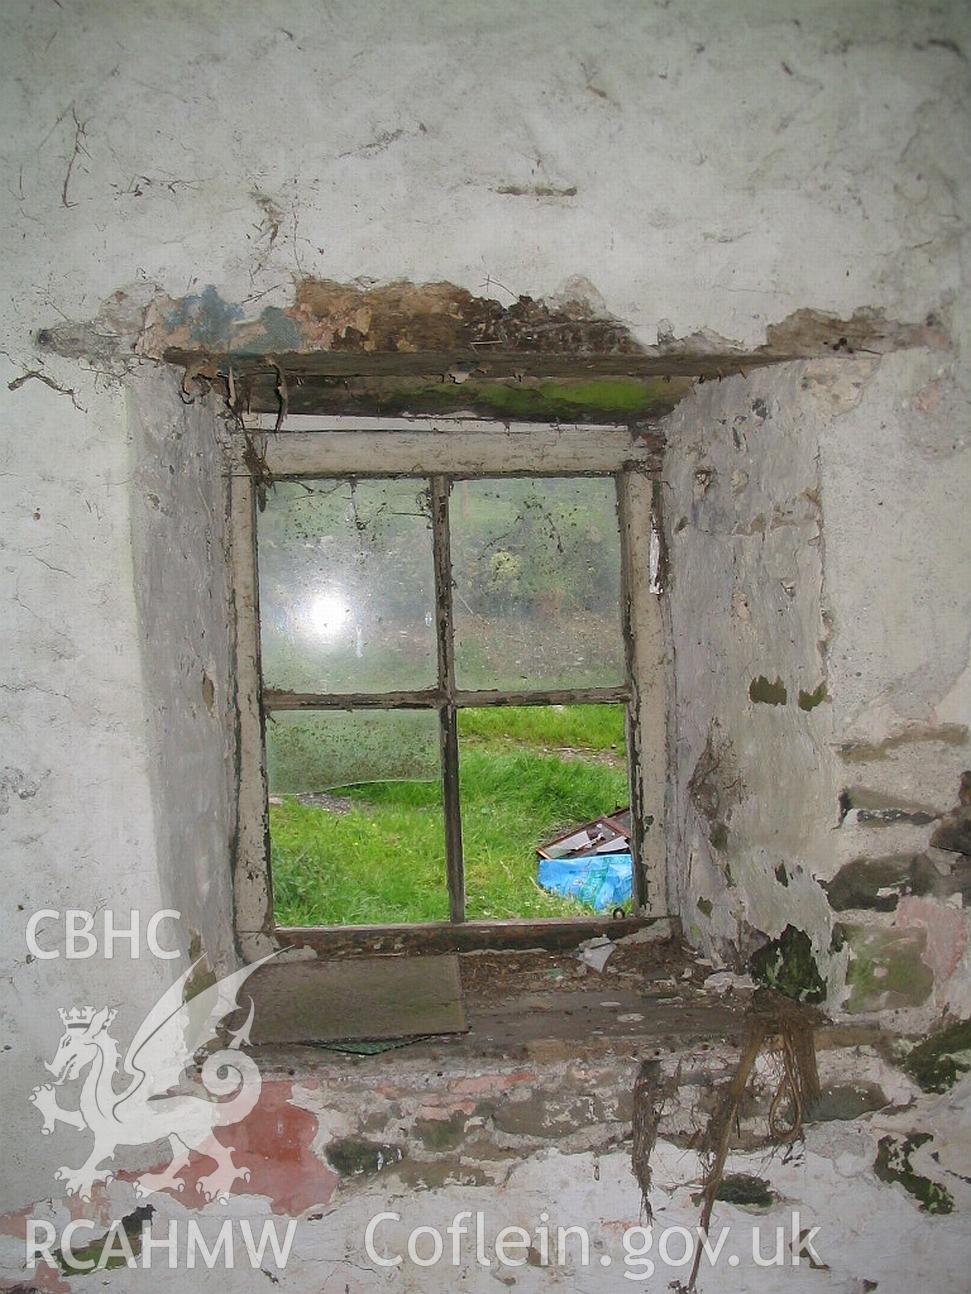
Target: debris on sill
x=591, y=863
x=728, y=982
x=608, y=834
x=596, y=952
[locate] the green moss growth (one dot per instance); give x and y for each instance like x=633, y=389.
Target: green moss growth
x=108, y=1252
x=442, y=1134
x=705, y=906
x=787, y=964
x=743, y=1188
x=565, y=400
x=719, y=835
x=893, y=1164
x=762, y=692
x=356, y=1157
x=886, y=969
x=939, y=1061
x=809, y=700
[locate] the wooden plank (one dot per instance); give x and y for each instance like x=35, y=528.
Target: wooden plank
x=428, y=698
x=442, y=937
x=543, y=451
x=331, y=1001
x=646, y=719
x=544, y=696
x=454, y=856
x=431, y=698
x=454, y=861
x=253, y=899
x=443, y=424
x=490, y=360
x=632, y=718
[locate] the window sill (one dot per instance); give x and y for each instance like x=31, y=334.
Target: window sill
x=444, y=937
x=524, y=1006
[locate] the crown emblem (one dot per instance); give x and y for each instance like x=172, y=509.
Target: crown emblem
x=79, y=1017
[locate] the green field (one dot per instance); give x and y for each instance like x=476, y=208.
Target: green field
x=377, y=855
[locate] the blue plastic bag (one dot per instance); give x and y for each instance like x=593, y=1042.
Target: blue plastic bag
x=601, y=881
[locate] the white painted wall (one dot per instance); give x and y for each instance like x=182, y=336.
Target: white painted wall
x=754, y=784
x=815, y=515
x=183, y=591
x=732, y=162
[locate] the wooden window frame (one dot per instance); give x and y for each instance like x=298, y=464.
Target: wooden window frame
x=439, y=451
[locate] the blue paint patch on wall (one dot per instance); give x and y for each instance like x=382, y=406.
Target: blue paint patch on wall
x=279, y=333
x=208, y=316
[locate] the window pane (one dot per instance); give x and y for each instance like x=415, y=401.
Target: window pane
x=536, y=566
x=356, y=823
x=544, y=778
x=347, y=586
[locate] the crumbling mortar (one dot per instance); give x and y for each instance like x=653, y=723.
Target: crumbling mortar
x=144, y=323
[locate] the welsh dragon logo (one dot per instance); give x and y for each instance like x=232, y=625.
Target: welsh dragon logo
x=147, y=1109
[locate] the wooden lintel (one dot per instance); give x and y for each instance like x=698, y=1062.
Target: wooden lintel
x=484, y=363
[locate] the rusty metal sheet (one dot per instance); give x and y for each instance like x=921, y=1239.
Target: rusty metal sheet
x=600, y=835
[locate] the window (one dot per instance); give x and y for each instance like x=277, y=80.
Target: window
x=403, y=589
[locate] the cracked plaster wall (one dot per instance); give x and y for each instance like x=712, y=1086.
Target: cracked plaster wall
x=820, y=614
x=717, y=169
x=183, y=590
x=542, y=1136
x=79, y=824
x=754, y=799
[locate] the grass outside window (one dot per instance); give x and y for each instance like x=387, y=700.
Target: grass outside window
x=374, y=853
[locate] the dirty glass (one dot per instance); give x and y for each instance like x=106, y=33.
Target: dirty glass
x=356, y=821
x=347, y=586
x=314, y=750
x=536, y=568
x=540, y=786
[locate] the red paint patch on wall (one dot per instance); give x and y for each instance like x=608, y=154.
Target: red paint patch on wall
x=442, y=1111
x=275, y=1142
x=15, y=1224
x=947, y=934
x=490, y=1084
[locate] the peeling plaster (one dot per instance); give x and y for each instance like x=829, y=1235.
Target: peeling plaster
x=743, y=592
x=550, y=1131
x=736, y=604
x=443, y=318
